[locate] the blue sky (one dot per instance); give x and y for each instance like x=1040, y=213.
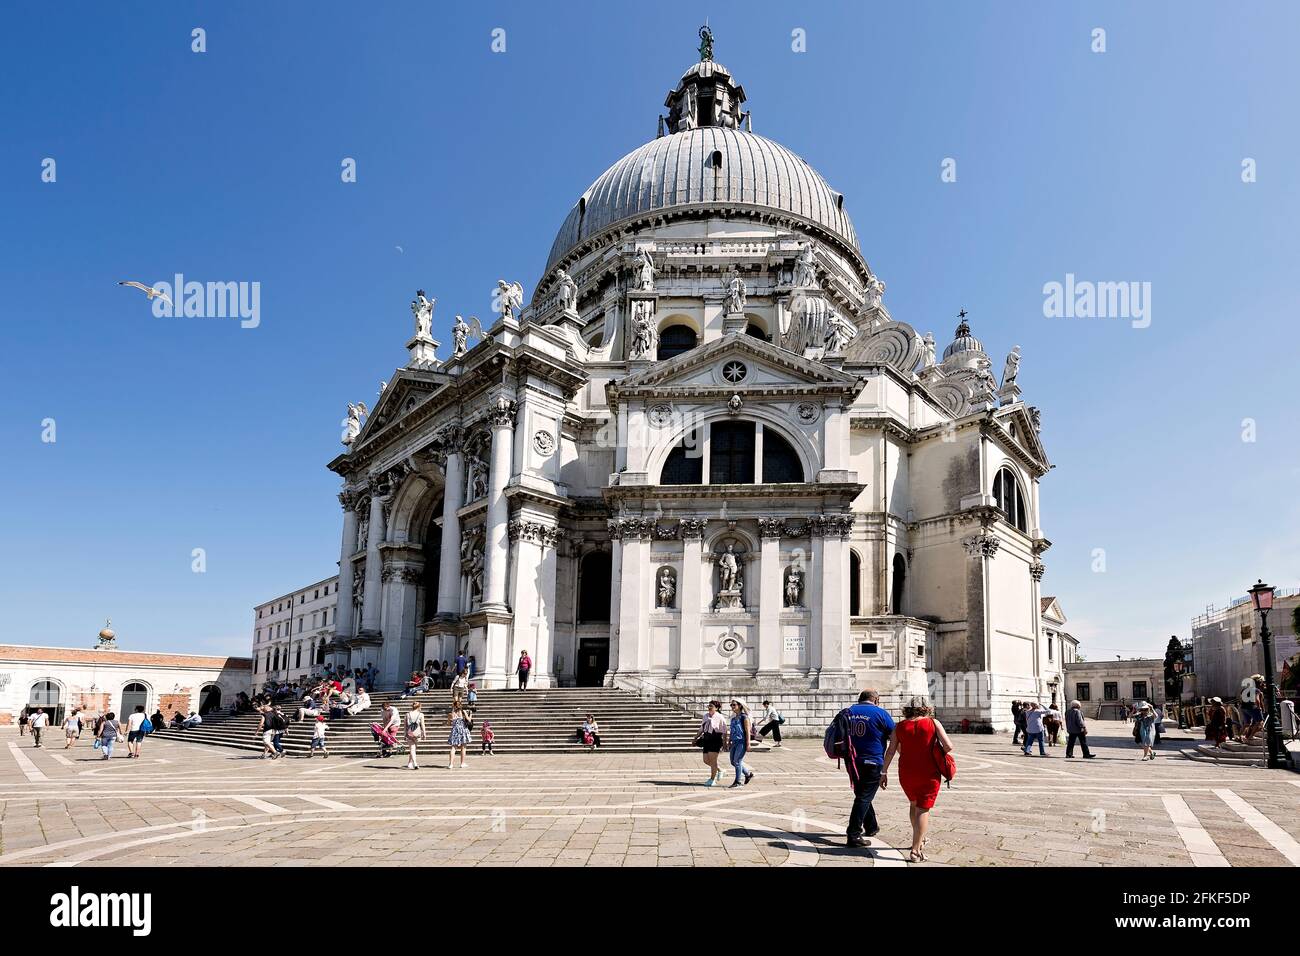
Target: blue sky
x=175, y=434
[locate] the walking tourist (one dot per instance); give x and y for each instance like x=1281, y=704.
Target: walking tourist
x=109, y=731
x=38, y=721
x=918, y=772
x=414, y=734
x=867, y=728
x=266, y=728
x=318, y=733
x=1076, y=730
x=459, y=736
x=738, y=742
x=460, y=688
x=712, y=730
x=71, y=729
x=1018, y=720
x=135, y=731
x=1033, y=717
x=524, y=668
x=1145, y=722
x=462, y=662
x=770, y=722
x=24, y=719
x=1052, y=726
x=486, y=736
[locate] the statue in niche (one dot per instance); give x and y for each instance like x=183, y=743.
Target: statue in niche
x=568, y=291
x=729, y=569
x=805, y=267
x=667, y=588
x=735, y=301
x=794, y=587
x=643, y=331
x=645, y=271
x=476, y=575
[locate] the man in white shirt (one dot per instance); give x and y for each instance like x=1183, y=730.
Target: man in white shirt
x=38, y=722
x=770, y=722
x=133, y=732
x=193, y=720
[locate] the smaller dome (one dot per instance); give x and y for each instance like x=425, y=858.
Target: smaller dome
x=107, y=633
x=963, y=341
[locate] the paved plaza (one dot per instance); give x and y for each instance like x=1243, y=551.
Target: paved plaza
x=192, y=805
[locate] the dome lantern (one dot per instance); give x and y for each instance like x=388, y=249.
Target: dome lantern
x=706, y=95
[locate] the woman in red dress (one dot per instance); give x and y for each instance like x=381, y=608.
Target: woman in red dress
x=913, y=739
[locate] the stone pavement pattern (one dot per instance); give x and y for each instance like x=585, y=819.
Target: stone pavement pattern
x=183, y=804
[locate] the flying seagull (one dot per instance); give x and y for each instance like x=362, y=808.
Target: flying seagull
x=147, y=290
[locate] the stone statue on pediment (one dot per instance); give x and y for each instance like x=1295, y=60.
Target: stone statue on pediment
x=927, y=350
x=839, y=332
x=645, y=270
x=1012, y=367
x=422, y=309
x=734, y=303
x=805, y=267
x=567, y=290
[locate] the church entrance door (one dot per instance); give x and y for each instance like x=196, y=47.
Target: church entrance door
x=593, y=661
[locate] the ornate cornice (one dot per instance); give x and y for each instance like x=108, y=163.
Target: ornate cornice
x=826, y=526
x=692, y=527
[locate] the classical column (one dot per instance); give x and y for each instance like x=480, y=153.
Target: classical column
x=615, y=597
x=343, y=609
x=771, y=598
x=449, y=562
x=689, y=589
x=633, y=605
x=496, y=559
x=533, y=602
x=402, y=578
x=835, y=671
x=373, y=602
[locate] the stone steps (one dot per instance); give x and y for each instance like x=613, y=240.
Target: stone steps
x=540, y=721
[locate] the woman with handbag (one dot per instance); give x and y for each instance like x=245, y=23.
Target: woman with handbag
x=109, y=732
x=414, y=734
x=712, y=729
x=923, y=763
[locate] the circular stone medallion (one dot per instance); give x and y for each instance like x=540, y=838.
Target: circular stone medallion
x=544, y=443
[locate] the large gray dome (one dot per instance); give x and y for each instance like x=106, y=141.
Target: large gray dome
x=681, y=170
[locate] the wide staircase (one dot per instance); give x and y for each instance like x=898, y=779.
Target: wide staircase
x=533, y=721
x=1232, y=753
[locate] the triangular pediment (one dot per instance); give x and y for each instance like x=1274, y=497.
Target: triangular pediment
x=764, y=365
x=1017, y=421
x=1051, y=611
x=407, y=391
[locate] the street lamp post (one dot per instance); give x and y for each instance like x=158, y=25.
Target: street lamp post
x=1262, y=597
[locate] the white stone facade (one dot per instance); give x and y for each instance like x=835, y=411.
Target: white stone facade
x=703, y=460
x=292, y=632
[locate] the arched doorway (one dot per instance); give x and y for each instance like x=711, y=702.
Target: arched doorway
x=47, y=695
x=209, y=699
x=134, y=694
x=594, y=583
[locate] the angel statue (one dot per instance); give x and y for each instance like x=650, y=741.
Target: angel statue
x=805, y=267
x=735, y=302
x=460, y=333
x=839, y=332
x=645, y=270
x=352, y=424
x=510, y=296
x=1012, y=368
x=568, y=290
x=422, y=309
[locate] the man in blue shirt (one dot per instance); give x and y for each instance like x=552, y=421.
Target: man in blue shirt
x=870, y=727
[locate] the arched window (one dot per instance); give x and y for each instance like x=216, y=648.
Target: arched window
x=46, y=695
x=685, y=464
x=593, y=588
x=780, y=463
x=1007, y=494
x=731, y=453
x=675, y=340
x=900, y=580
x=755, y=331
x=855, y=584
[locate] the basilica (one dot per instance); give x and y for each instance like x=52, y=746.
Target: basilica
x=703, y=459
